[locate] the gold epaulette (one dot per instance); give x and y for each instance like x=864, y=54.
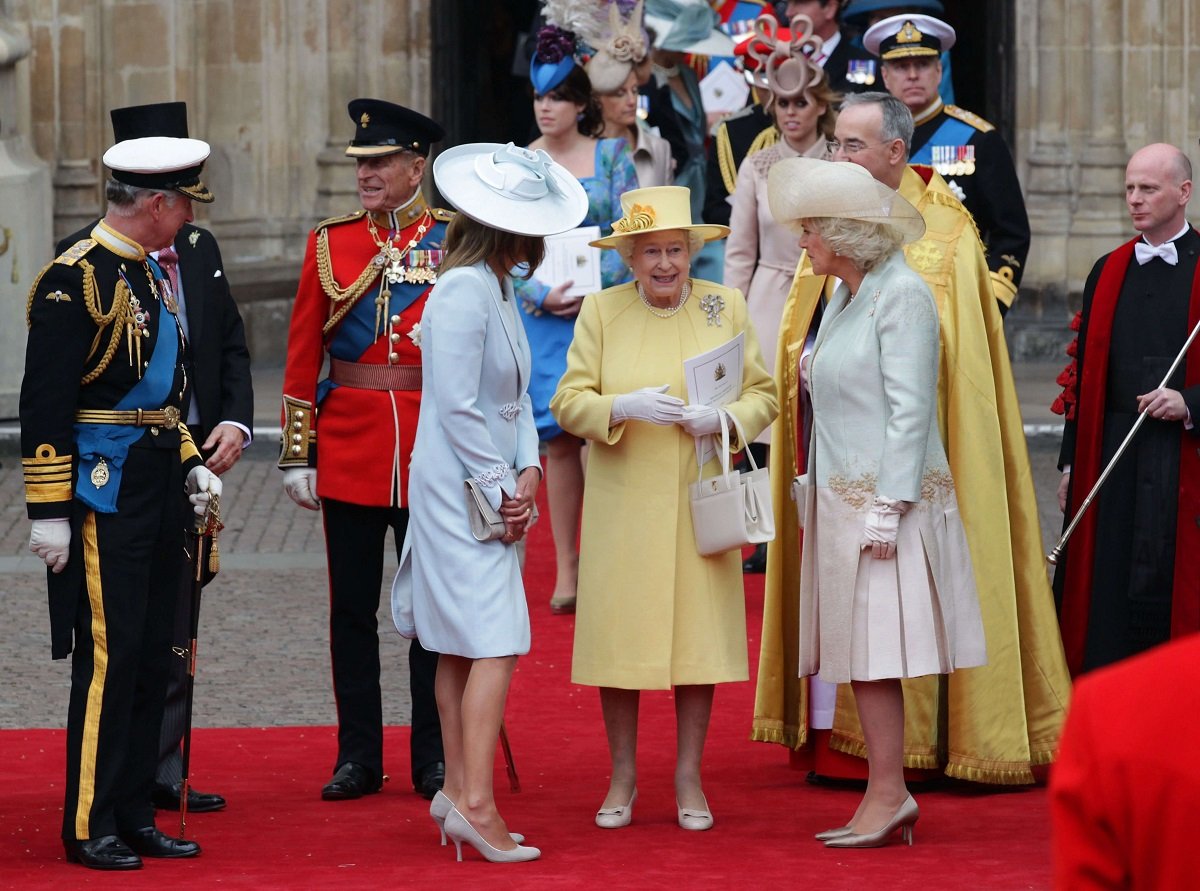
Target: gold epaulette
x=72, y=255
x=298, y=433
x=968, y=117
x=344, y=218
x=441, y=214
x=765, y=139
x=47, y=476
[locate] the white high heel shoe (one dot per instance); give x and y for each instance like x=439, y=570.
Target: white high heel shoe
x=440, y=807
x=616, y=817
x=460, y=830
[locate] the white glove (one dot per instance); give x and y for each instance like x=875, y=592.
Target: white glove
x=883, y=523
x=301, y=485
x=700, y=420
x=51, y=540
x=202, y=485
x=648, y=404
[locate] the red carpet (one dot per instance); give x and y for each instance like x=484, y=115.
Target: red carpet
x=277, y=833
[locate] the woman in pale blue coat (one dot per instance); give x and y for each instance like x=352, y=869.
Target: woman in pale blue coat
x=886, y=587
x=461, y=596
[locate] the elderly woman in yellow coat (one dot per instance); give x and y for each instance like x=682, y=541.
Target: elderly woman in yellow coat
x=652, y=613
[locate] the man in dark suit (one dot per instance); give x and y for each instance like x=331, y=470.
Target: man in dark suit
x=219, y=407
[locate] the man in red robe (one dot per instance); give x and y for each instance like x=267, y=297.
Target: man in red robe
x=1131, y=574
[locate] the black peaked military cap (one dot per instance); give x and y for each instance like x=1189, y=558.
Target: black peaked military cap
x=384, y=128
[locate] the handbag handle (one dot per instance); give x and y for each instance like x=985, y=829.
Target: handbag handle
x=726, y=450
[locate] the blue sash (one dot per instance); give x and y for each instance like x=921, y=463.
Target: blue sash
x=111, y=442
x=951, y=132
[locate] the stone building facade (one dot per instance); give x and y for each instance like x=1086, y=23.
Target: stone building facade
x=266, y=82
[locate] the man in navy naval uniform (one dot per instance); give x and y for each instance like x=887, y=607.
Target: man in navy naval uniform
x=219, y=408
x=102, y=440
x=961, y=146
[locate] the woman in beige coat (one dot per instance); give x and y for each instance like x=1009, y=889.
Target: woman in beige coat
x=886, y=587
x=651, y=612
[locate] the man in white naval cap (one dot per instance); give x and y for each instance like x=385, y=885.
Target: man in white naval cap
x=961, y=146
x=102, y=441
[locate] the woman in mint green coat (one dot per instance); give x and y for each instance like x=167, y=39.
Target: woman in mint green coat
x=886, y=586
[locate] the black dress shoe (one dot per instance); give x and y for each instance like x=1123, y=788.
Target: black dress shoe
x=150, y=842
x=166, y=798
x=350, y=781
x=756, y=562
x=430, y=779
x=105, y=852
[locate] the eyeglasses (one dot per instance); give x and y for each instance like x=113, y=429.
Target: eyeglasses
x=851, y=146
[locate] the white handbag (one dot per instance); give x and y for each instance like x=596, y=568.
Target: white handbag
x=800, y=496
x=733, y=509
x=486, y=522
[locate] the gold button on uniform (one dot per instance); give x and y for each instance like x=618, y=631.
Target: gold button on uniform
x=395, y=320
x=393, y=358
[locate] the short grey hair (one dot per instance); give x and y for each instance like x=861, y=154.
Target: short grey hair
x=625, y=246
x=897, y=120
x=864, y=244
x=125, y=200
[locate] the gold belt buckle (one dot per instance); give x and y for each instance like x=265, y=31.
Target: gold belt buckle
x=170, y=417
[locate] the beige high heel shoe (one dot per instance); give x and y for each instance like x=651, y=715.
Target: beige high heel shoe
x=616, y=817
x=695, y=820
x=904, y=819
x=460, y=830
x=440, y=807
x=827, y=834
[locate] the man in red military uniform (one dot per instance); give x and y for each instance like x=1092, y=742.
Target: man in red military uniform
x=347, y=439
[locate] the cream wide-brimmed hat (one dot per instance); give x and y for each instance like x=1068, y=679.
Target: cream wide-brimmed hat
x=657, y=209
x=509, y=188
x=806, y=188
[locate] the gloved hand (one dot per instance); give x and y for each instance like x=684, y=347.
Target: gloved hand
x=883, y=523
x=51, y=540
x=202, y=485
x=648, y=404
x=301, y=485
x=700, y=420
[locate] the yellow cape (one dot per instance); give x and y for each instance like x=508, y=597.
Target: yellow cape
x=988, y=724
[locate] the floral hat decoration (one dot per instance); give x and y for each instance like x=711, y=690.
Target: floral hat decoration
x=784, y=58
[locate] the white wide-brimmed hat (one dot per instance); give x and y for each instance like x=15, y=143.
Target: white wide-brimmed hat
x=657, y=209
x=509, y=188
x=687, y=26
x=806, y=188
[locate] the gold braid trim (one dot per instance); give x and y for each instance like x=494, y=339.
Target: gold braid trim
x=765, y=139
x=343, y=298
x=120, y=306
x=725, y=159
x=33, y=290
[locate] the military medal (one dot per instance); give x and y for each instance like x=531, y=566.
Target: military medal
x=100, y=475
x=390, y=262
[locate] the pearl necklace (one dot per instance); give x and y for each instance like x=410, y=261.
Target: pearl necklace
x=684, y=293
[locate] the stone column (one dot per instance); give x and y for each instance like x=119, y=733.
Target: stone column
x=25, y=198
x=1042, y=114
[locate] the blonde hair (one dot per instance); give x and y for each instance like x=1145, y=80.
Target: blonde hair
x=624, y=247
x=469, y=242
x=863, y=243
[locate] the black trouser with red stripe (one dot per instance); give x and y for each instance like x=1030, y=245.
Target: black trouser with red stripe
x=122, y=646
x=354, y=541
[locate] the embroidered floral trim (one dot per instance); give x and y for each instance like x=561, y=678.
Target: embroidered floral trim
x=857, y=493
x=510, y=410
x=936, y=485
x=492, y=477
x=414, y=334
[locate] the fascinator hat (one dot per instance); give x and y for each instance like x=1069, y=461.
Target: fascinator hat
x=784, y=57
x=657, y=209
x=687, y=26
x=600, y=38
x=807, y=188
x=509, y=188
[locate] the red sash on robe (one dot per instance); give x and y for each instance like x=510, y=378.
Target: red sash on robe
x=1086, y=469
